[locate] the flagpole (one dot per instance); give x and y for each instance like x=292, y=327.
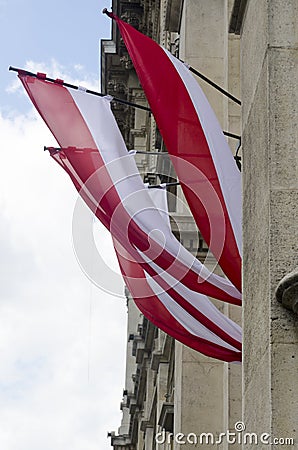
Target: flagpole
x=53, y=150
x=211, y=83
x=72, y=86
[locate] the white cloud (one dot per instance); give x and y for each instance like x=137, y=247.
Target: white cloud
x=62, y=341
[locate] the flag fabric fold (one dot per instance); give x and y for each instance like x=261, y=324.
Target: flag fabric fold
x=193, y=137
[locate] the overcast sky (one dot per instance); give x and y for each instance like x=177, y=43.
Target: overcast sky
x=62, y=339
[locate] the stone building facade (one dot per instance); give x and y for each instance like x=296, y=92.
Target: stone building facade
x=250, y=49
x=269, y=79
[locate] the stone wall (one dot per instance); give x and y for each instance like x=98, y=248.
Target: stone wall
x=270, y=198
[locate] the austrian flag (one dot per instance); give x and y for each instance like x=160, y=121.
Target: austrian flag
x=201, y=157
x=169, y=285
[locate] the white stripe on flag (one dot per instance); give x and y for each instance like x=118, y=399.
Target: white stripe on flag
x=227, y=172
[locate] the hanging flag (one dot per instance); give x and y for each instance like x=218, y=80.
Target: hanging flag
x=193, y=137
x=156, y=267
x=95, y=156
x=185, y=315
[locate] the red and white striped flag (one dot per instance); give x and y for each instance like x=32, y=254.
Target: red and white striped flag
x=155, y=265
x=93, y=148
x=193, y=137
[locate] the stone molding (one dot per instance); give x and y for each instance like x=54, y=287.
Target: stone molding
x=287, y=291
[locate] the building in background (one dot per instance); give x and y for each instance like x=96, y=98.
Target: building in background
x=170, y=388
